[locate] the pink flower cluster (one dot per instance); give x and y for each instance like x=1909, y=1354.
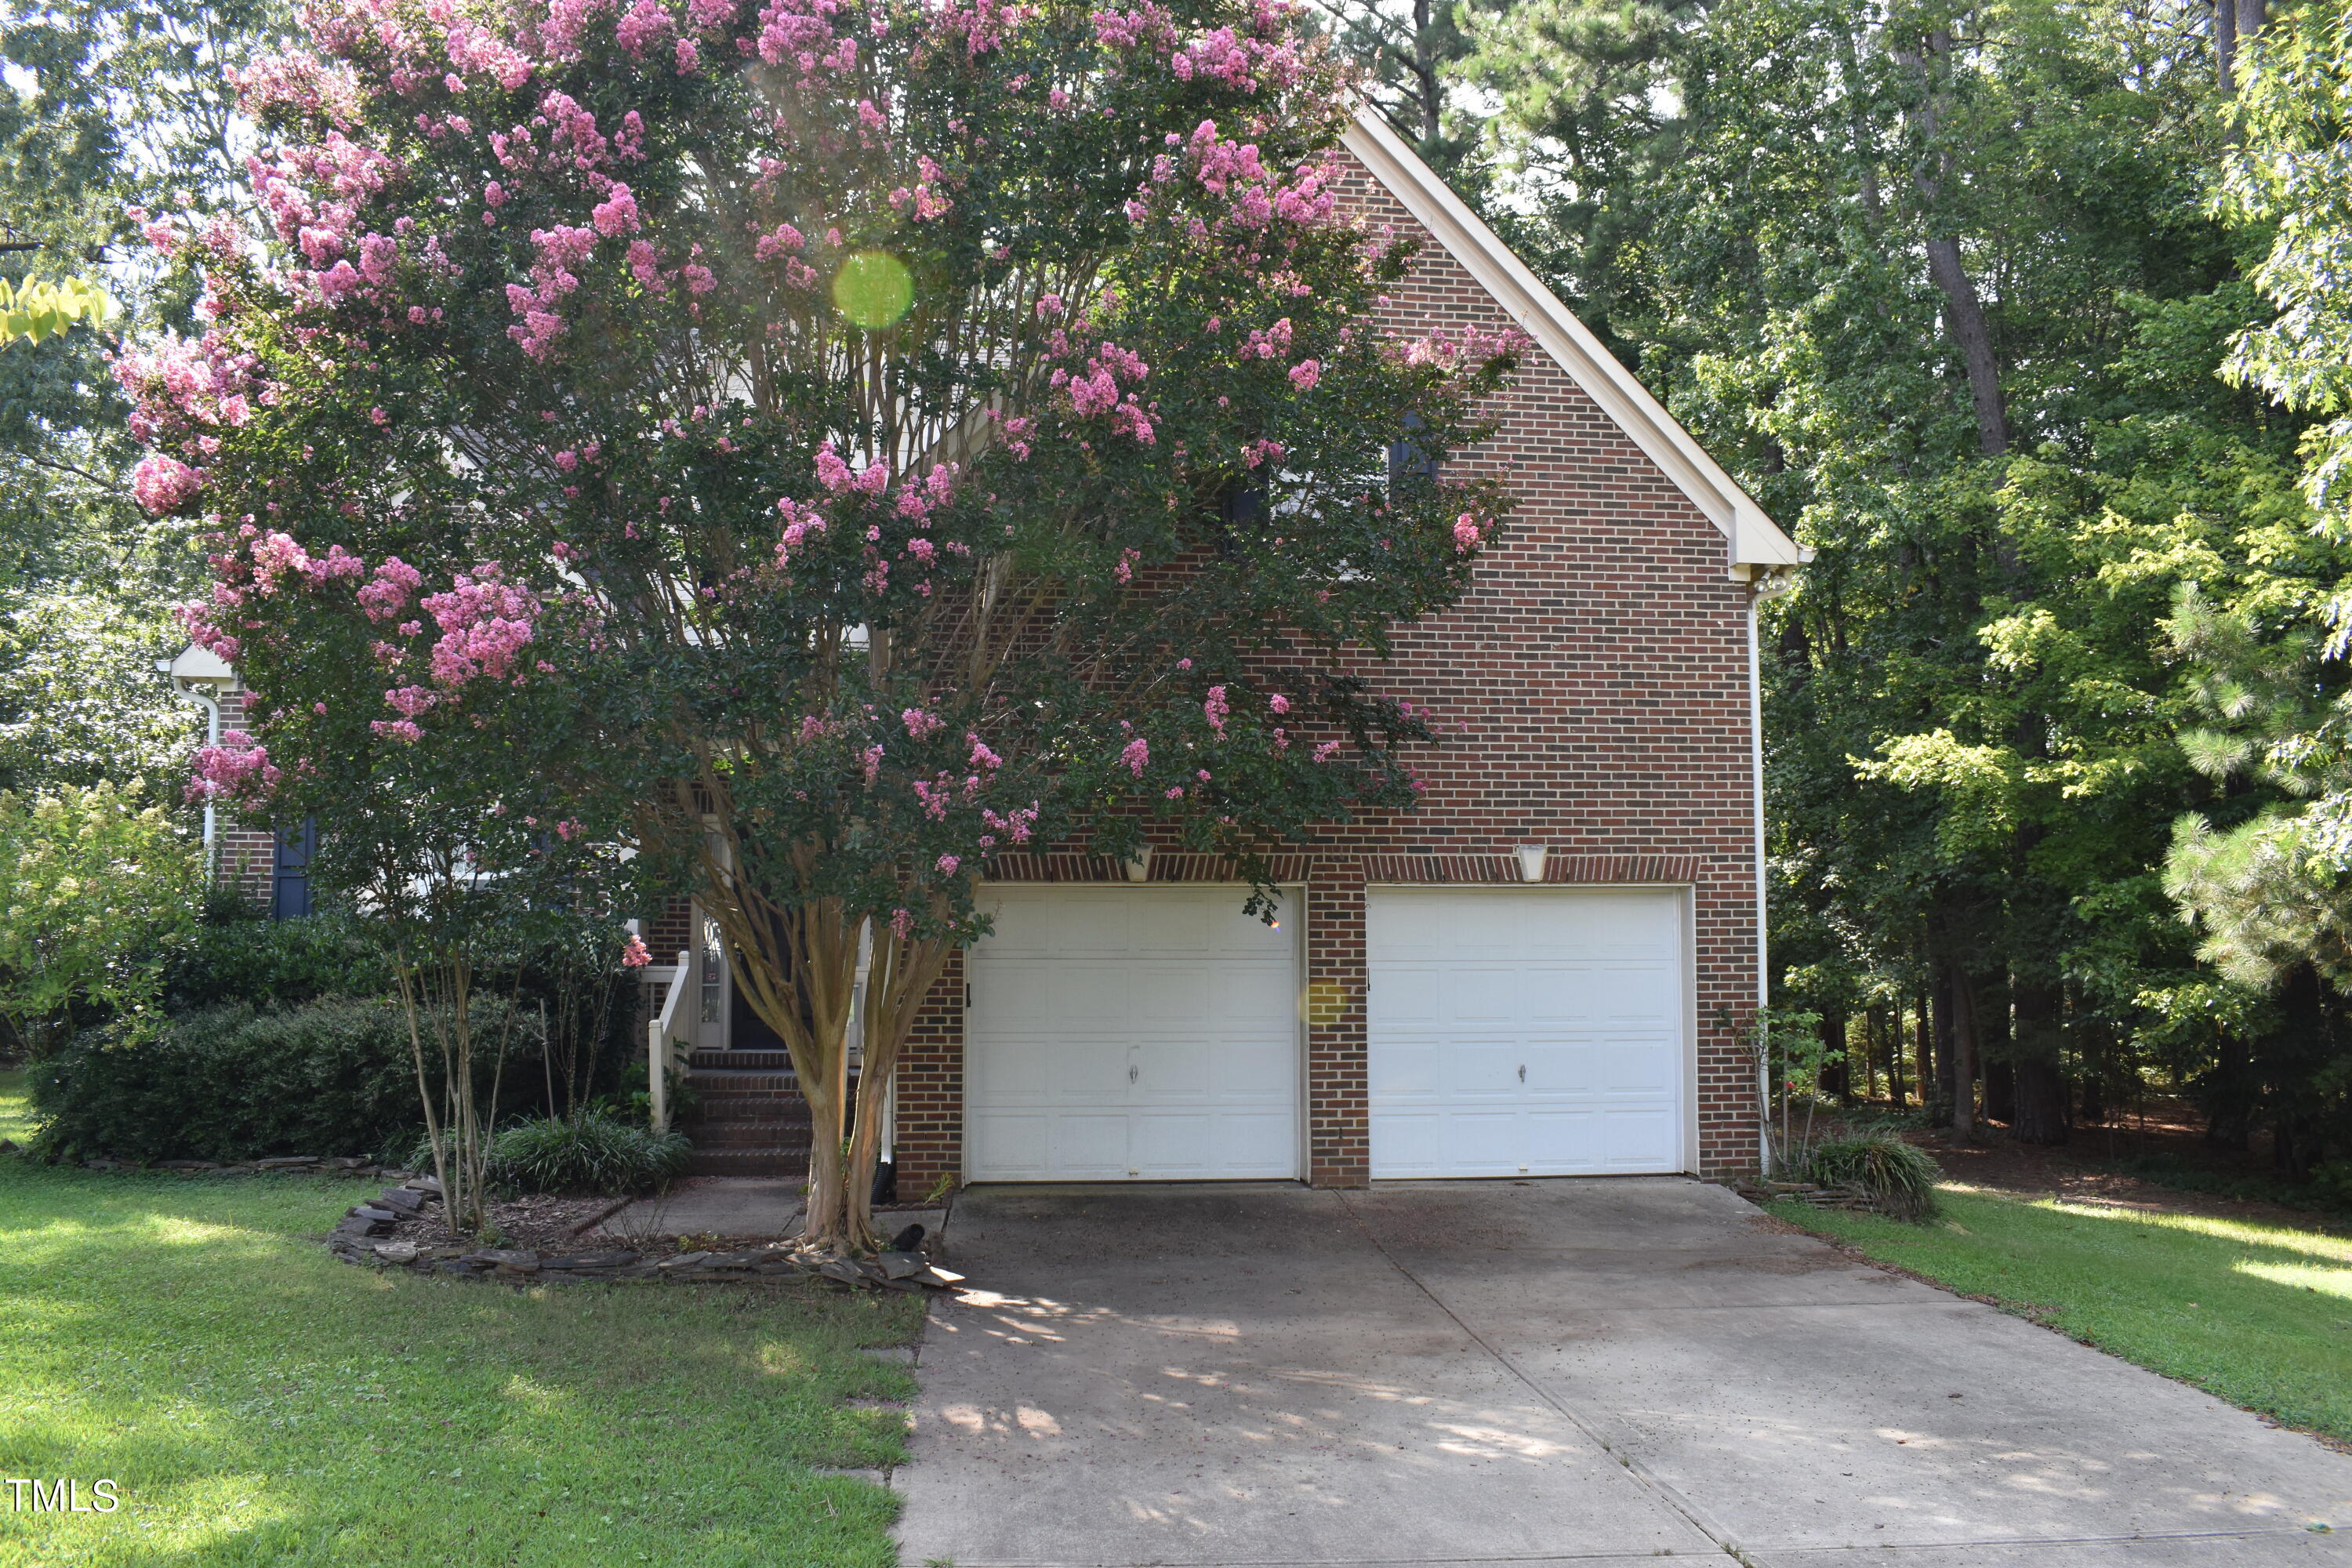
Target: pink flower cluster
x=236, y=769
x=486, y=622
x=161, y=484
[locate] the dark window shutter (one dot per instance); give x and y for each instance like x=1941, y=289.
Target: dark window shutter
x=289, y=882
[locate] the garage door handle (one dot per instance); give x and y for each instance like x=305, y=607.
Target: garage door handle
x=1133, y=1072
x=1523, y=1072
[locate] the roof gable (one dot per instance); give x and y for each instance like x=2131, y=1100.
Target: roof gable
x=1758, y=545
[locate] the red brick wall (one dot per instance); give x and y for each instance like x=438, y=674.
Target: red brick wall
x=1592, y=691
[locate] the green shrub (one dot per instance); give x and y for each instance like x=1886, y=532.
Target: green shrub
x=239, y=954
x=334, y=1077
x=592, y=1153
x=1895, y=1177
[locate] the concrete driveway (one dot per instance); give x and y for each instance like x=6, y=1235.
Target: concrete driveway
x=1529, y=1373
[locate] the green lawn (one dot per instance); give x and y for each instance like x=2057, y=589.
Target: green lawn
x=258, y=1402
x=2259, y=1315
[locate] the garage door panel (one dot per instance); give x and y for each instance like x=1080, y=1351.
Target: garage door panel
x=1020, y=1145
x=1176, y=927
x=1408, y=993
x=1483, y=1143
x=1636, y=1065
x=1643, y=991
x=1259, y=1146
x=1256, y=1071
x=1637, y=1140
x=1481, y=994
x=1563, y=1142
x=1481, y=1069
x=1533, y=1029
x=1406, y=1142
x=1077, y=986
x=1408, y=1066
x=1250, y=995
x=1563, y=1067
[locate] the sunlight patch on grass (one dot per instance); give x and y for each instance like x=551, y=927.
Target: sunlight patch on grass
x=2315, y=1244
x=2302, y=1276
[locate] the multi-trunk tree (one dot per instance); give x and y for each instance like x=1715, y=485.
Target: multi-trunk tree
x=824, y=448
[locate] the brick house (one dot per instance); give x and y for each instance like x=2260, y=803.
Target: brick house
x=1549, y=968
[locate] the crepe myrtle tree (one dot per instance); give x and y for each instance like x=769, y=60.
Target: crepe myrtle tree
x=833, y=447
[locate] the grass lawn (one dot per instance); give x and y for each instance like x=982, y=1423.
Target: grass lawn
x=2259, y=1315
x=257, y=1402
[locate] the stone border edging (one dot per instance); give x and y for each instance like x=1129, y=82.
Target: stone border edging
x=358, y=1238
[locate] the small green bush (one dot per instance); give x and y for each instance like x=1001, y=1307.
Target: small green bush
x=239, y=954
x=335, y=1076
x=591, y=1152
x=1895, y=1177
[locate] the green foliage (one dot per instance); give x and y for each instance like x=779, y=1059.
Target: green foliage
x=99, y=883
x=1899, y=1178
x=36, y=309
x=232, y=1082
x=588, y=1153
x=235, y=954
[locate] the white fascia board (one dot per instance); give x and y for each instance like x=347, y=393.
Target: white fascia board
x=1755, y=540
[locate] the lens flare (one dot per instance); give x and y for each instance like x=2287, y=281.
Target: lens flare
x=873, y=289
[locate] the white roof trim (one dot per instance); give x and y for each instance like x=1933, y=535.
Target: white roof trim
x=1755, y=540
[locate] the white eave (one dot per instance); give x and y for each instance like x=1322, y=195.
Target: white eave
x=1758, y=548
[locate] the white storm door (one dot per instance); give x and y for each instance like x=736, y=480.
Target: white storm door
x=1131, y=1034
x=1525, y=1031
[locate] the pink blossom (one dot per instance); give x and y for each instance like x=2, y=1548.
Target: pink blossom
x=634, y=954
x=982, y=757
x=402, y=730
x=948, y=865
x=1324, y=753
x=1306, y=373
x=1216, y=707
x=161, y=484
x=616, y=215
x=1136, y=755
x=872, y=758
x=920, y=724
x=1175, y=792
x=235, y=769
x=386, y=595
x=1278, y=702
x=1465, y=534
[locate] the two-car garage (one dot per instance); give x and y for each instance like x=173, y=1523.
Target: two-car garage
x=1157, y=1033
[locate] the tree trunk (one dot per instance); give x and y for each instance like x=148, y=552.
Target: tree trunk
x=1964, y=313
x=1832, y=1076
x=1939, y=1080
x=2225, y=46
x=2040, y=1102
x=1962, y=1080
x=2000, y=1092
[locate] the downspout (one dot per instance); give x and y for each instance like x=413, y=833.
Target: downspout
x=212, y=738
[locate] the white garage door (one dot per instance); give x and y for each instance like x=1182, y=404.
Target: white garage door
x=1131, y=1034
x=1533, y=1031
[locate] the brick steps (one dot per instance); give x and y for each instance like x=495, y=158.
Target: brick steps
x=748, y=1117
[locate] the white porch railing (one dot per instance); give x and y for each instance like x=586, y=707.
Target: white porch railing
x=662, y=1038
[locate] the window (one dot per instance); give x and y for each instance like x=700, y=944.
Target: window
x=1407, y=461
